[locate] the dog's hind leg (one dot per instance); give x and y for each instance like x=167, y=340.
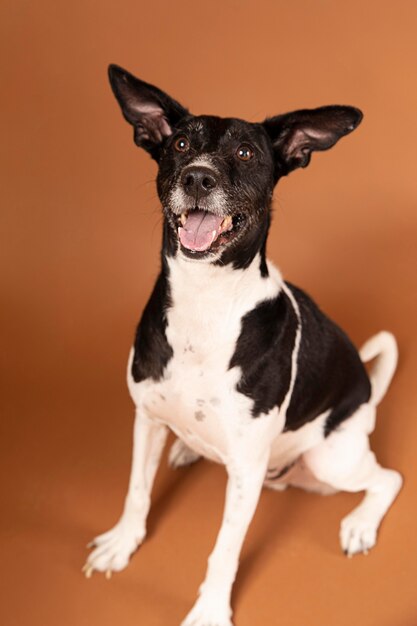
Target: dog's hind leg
x=180, y=455
x=113, y=549
x=344, y=461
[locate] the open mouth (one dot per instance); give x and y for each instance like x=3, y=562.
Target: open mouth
x=202, y=231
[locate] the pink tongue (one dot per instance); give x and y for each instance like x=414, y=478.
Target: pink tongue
x=200, y=230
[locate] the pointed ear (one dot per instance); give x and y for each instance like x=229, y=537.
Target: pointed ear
x=296, y=135
x=152, y=113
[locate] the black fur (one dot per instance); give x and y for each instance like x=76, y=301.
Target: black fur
x=151, y=348
x=296, y=135
x=330, y=373
x=263, y=352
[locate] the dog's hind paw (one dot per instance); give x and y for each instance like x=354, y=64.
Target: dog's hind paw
x=113, y=549
x=181, y=455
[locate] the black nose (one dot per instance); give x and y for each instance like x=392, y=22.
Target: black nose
x=198, y=181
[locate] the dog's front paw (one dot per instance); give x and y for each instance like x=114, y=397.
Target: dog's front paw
x=180, y=455
x=112, y=550
x=358, y=533
x=208, y=613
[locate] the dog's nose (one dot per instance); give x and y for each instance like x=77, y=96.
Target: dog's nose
x=198, y=181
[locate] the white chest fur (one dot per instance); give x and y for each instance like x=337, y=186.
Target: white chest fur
x=197, y=395
x=208, y=303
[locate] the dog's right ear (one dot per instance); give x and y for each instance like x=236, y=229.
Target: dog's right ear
x=152, y=113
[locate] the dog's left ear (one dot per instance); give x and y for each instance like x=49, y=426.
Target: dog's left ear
x=152, y=113
x=296, y=135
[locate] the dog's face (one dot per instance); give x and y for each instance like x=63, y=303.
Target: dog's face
x=216, y=176
x=215, y=182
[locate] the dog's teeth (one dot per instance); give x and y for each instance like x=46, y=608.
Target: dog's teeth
x=227, y=223
x=183, y=218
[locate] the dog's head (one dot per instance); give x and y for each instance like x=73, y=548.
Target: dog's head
x=216, y=175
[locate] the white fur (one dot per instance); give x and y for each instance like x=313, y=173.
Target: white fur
x=113, y=549
x=178, y=200
x=296, y=350
x=197, y=399
x=345, y=461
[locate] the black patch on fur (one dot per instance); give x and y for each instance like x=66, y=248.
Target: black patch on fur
x=263, y=265
x=169, y=241
x=263, y=352
x=152, y=350
x=330, y=374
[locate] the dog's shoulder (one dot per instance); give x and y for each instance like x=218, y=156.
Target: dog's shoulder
x=264, y=351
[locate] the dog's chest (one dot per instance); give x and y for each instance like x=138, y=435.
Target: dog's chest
x=197, y=396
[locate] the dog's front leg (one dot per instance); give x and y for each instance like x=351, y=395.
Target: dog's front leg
x=114, y=548
x=243, y=489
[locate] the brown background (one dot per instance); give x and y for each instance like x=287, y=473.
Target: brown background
x=81, y=229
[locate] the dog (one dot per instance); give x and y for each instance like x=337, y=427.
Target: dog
x=242, y=366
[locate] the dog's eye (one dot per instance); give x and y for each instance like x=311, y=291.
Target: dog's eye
x=182, y=144
x=244, y=152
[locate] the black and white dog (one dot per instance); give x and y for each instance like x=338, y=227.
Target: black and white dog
x=241, y=365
